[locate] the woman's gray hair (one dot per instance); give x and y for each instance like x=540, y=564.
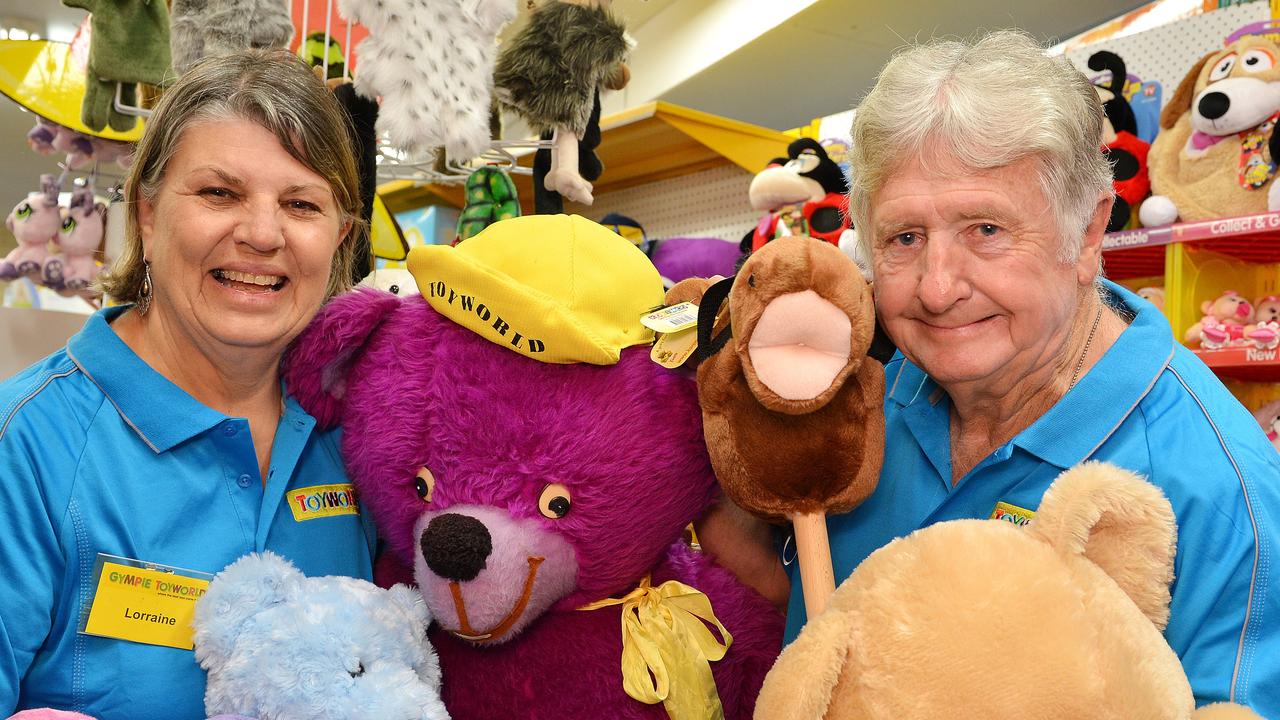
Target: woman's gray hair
x=985, y=104
x=271, y=88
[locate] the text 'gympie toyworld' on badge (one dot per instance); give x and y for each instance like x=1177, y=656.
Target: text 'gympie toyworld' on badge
x=143, y=602
x=672, y=319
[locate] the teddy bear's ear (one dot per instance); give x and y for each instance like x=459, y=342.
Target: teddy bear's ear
x=1225, y=711
x=243, y=589
x=316, y=366
x=1180, y=103
x=410, y=600
x=1122, y=523
x=801, y=683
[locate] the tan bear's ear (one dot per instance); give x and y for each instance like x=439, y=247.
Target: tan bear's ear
x=1119, y=521
x=801, y=682
x=1180, y=103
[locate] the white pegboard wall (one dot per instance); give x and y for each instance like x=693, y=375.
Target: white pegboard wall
x=711, y=203
x=1166, y=53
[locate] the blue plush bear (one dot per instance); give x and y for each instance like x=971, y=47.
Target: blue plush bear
x=281, y=646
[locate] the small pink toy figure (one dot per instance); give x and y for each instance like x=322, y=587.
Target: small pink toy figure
x=34, y=222
x=73, y=268
x=1268, y=416
x=1226, y=320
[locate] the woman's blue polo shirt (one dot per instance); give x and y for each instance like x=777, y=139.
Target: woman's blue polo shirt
x=1148, y=405
x=101, y=454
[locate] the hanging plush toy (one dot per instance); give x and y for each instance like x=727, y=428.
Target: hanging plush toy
x=550, y=74
x=1217, y=150
x=1120, y=143
x=49, y=138
x=74, y=267
x=200, y=28
x=34, y=222
x=805, y=193
x=432, y=65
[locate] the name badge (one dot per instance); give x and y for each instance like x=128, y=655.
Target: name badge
x=143, y=602
x=1012, y=513
x=319, y=501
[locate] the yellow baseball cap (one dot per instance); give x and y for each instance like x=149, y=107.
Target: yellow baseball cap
x=556, y=288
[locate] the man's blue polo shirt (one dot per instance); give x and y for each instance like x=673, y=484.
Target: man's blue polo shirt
x=101, y=454
x=1148, y=405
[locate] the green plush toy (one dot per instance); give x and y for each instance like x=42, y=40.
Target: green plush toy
x=129, y=44
x=491, y=196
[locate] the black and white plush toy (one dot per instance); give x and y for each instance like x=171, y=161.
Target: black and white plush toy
x=431, y=61
x=203, y=28
x=549, y=74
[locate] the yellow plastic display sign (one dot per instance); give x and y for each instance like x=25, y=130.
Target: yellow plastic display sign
x=144, y=604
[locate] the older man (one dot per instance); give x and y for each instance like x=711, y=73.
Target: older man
x=981, y=194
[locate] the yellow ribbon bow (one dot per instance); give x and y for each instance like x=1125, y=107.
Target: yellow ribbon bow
x=667, y=649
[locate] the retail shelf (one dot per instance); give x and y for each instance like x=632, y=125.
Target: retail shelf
x=1243, y=363
x=1249, y=238
x=645, y=144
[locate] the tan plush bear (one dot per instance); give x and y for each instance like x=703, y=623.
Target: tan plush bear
x=1056, y=620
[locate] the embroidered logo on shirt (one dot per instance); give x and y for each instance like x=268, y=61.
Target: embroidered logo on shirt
x=1012, y=513
x=319, y=501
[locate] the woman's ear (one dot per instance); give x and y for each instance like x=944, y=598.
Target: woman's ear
x=146, y=223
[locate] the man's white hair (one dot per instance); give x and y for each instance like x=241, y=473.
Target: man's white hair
x=985, y=104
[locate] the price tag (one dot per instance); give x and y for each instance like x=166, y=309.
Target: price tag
x=672, y=349
x=672, y=319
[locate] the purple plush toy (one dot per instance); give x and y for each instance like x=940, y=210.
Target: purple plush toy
x=685, y=257
x=521, y=492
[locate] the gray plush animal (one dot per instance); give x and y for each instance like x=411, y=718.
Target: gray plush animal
x=201, y=28
x=549, y=75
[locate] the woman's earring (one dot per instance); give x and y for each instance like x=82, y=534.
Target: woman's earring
x=144, y=297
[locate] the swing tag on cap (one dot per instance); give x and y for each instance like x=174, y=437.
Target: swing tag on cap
x=672, y=319
x=672, y=349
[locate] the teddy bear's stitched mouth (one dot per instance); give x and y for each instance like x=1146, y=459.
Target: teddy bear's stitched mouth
x=466, y=632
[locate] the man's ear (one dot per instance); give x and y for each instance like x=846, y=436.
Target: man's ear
x=1090, y=260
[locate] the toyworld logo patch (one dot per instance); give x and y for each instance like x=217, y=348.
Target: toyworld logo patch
x=464, y=310
x=319, y=501
x=1012, y=513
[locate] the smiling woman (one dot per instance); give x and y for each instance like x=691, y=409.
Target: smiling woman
x=163, y=433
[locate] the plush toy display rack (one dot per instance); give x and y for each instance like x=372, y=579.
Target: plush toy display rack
x=1199, y=260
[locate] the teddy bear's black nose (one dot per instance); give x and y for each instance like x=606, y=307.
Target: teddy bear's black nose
x=1214, y=105
x=456, y=546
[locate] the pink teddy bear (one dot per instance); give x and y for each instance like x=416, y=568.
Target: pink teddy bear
x=1268, y=416
x=34, y=222
x=74, y=268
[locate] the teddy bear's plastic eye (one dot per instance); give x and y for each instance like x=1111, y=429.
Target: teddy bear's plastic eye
x=395, y=289
x=424, y=484
x=555, y=501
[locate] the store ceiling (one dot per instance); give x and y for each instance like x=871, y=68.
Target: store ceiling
x=816, y=62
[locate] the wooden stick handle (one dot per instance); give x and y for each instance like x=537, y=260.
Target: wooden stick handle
x=813, y=550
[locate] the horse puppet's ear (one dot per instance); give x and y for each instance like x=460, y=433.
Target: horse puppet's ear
x=316, y=365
